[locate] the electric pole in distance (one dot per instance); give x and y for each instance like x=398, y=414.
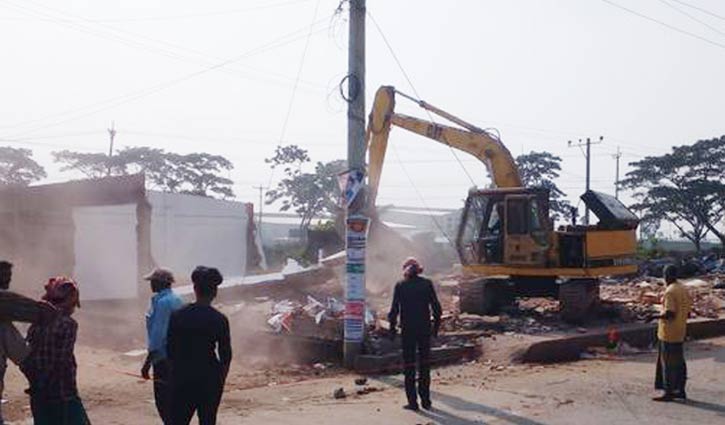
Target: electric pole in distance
x=616, y=156
x=588, y=156
x=356, y=223
x=261, y=190
x=112, y=136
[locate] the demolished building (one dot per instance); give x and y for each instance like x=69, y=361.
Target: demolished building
x=107, y=233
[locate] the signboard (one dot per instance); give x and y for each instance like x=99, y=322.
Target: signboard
x=357, y=229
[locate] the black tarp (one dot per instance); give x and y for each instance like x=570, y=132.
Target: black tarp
x=612, y=214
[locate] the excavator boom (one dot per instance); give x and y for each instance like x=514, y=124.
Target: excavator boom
x=471, y=139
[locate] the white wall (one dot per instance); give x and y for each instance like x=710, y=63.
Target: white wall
x=188, y=230
x=105, y=252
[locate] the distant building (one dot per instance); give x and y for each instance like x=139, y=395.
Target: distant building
x=442, y=223
x=282, y=228
x=107, y=233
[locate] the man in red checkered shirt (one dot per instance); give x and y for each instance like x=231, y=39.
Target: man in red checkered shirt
x=51, y=365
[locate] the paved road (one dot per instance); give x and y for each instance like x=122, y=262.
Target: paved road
x=587, y=392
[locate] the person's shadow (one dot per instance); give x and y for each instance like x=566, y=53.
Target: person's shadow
x=460, y=404
x=713, y=407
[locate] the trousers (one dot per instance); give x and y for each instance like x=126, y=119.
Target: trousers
x=162, y=390
x=198, y=395
x=416, y=344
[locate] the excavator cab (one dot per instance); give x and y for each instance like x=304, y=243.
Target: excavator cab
x=505, y=226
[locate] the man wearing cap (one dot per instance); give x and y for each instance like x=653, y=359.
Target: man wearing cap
x=163, y=303
x=415, y=299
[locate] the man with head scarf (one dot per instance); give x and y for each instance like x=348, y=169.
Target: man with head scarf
x=197, y=332
x=671, y=373
x=51, y=365
x=415, y=299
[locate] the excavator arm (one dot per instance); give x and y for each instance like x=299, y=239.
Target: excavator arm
x=470, y=139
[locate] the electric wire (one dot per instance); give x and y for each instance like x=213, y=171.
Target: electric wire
x=692, y=17
x=182, y=16
x=665, y=24
x=412, y=86
x=210, y=61
x=701, y=9
x=119, y=100
x=422, y=199
x=290, y=105
x=395, y=151
x=117, y=34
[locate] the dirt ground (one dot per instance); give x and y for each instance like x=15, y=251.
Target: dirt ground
x=599, y=392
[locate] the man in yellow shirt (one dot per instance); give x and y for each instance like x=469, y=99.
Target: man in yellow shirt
x=671, y=372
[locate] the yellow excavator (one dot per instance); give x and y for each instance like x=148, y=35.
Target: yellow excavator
x=506, y=239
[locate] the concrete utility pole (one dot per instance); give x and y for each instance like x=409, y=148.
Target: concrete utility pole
x=616, y=179
x=112, y=135
x=588, y=158
x=356, y=223
x=261, y=189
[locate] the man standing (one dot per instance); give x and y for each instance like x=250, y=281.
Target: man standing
x=163, y=303
x=196, y=333
x=51, y=365
x=12, y=343
x=671, y=373
x=414, y=299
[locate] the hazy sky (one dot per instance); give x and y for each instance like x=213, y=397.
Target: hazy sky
x=219, y=76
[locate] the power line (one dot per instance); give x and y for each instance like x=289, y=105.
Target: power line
x=666, y=25
x=701, y=9
x=119, y=100
x=412, y=86
x=294, y=89
x=156, y=49
x=589, y=161
x=181, y=16
x=700, y=21
x=421, y=198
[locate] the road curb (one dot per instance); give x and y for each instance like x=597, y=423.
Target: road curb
x=569, y=348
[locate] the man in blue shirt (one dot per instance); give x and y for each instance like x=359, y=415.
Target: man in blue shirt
x=163, y=303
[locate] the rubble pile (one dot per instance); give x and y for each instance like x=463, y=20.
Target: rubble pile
x=642, y=297
x=687, y=267
x=314, y=319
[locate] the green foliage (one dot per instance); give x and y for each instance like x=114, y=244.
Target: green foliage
x=17, y=167
x=308, y=194
x=540, y=169
x=278, y=254
x=195, y=173
x=325, y=225
x=685, y=187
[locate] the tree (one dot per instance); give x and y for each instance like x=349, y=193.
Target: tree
x=17, y=167
x=92, y=165
x=685, y=187
x=540, y=169
x=198, y=174
x=195, y=173
x=309, y=194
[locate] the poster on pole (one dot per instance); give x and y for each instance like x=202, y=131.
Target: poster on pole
x=357, y=230
x=350, y=184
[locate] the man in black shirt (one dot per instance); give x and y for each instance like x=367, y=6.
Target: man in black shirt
x=196, y=332
x=414, y=299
